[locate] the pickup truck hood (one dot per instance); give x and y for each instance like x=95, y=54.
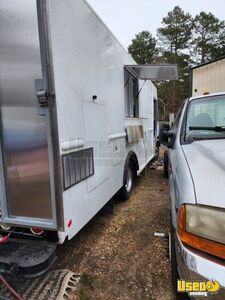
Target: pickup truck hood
x=206, y=160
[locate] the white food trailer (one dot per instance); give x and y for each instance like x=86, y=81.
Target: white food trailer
x=78, y=123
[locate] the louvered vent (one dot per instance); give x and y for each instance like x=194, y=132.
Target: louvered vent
x=77, y=166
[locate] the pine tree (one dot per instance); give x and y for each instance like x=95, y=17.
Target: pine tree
x=143, y=48
x=207, y=37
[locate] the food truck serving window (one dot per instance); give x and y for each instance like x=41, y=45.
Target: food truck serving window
x=131, y=95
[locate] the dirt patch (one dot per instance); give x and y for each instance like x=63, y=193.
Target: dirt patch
x=117, y=255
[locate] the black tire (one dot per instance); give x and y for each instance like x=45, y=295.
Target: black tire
x=129, y=178
x=174, y=272
x=166, y=163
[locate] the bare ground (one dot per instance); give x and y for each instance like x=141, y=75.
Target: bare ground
x=117, y=254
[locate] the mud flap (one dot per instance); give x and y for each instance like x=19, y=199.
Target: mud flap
x=27, y=258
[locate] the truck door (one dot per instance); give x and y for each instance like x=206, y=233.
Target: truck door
x=25, y=131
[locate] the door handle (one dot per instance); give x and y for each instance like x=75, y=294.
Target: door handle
x=42, y=97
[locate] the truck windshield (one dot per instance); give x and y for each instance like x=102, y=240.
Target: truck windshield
x=206, y=118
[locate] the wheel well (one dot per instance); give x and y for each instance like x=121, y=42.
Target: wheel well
x=131, y=157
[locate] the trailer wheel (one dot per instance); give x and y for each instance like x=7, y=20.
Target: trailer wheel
x=166, y=162
x=127, y=188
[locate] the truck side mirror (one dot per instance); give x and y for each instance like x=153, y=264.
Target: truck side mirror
x=167, y=137
x=171, y=137
x=163, y=133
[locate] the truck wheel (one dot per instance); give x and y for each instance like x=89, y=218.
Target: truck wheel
x=174, y=272
x=166, y=161
x=127, y=188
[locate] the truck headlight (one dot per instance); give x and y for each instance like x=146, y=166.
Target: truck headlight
x=203, y=228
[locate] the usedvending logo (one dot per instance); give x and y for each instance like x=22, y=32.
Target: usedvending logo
x=198, y=288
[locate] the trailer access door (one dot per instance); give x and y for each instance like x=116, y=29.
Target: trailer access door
x=27, y=189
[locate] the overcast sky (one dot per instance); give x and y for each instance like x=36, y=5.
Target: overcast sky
x=125, y=18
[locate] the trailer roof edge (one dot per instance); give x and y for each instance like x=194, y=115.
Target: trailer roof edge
x=208, y=62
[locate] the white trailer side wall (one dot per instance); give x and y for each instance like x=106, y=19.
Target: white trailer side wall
x=88, y=61
x=145, y=149
x=209, y=78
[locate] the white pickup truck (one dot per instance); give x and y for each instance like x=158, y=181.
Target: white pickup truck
x=196, y=171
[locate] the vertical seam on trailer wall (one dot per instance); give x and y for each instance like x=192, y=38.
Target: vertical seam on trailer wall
x=191, y=82
x=3, y=193
x=48, y=65
x=43, y=42
x=55, y=133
